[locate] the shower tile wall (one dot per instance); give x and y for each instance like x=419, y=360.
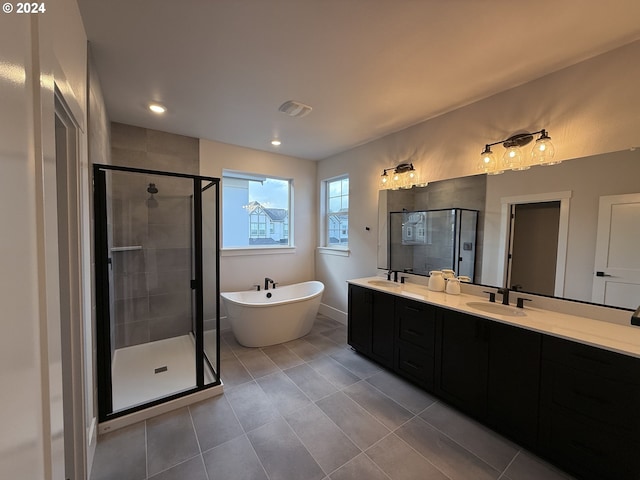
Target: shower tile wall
x=152, y=297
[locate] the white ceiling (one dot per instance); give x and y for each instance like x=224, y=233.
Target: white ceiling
x=367, y=67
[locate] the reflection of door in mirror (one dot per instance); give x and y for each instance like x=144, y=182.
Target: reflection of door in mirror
x=617, y=264
x=533, y=247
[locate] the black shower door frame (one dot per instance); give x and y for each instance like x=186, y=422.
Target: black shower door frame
x=102, y=265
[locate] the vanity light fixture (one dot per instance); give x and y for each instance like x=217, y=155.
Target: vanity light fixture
x=157, y=108
x=403, y=175
x=513, y=158
x=275, y=142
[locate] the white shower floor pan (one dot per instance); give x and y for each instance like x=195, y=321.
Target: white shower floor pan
x=146, y=372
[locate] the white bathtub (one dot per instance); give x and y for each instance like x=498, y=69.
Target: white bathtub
x=273, y=316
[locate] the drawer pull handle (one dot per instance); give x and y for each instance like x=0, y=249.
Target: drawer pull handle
x=413, y=309
x=593, y=398
x=415, y=333
x=412, y=365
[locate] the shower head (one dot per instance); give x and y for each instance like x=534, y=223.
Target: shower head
x=152, y=188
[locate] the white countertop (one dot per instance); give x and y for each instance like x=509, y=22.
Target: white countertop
x=610, y=336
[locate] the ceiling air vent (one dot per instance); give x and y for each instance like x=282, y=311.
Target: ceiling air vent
x=295, y=109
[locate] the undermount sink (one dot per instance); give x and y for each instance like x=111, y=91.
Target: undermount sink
x=383, y=283
x=497, y=308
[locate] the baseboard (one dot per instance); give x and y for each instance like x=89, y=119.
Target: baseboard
x=334, y=313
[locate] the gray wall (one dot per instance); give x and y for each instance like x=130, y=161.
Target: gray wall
x=152, y=294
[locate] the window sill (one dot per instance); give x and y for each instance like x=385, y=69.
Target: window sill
x=241, y=251
x=339, y=251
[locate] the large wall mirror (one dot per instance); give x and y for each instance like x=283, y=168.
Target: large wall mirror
x=570, y=230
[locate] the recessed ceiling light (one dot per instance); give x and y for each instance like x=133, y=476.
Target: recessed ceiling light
x=276, y=143
x=157, y=108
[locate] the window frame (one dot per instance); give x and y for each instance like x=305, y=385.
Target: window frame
x=327, y=247
x=257, y=249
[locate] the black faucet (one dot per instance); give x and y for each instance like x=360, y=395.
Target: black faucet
x=267, y=280
x=395, y=275
x=505, y=295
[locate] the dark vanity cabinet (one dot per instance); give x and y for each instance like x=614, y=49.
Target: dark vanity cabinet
x=589, y=410
x=371, y=324
x=415, y=341
x=491, y=371
x=513, y=382
x=461, y=363
x=576, y=405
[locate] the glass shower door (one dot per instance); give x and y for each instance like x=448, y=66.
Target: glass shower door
x=154, y=257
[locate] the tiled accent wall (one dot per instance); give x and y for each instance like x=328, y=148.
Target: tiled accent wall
x=152, y=292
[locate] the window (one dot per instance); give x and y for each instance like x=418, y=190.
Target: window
x=337, y=211
x=255, y=210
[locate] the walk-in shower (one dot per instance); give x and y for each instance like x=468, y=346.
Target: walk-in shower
x=157, y=287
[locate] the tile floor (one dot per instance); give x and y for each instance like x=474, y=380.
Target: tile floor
x=313, y=409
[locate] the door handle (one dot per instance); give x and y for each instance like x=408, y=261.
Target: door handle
x=602, y=274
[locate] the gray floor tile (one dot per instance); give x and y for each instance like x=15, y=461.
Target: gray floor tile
x=452, y=459
x=171, y=439
x=233, y=372
x=283, y=393
x=359, y=425
x=282, y=454
x=121, y=454
x=324, y=344
x=192, y=469
x=251, y=405
x=356, y=363
x=409, y=396
x=478, y=439
x=257, y=363
x=338, y=335
x=235, y=460
x=225, y=351
x=528, y=467
x=314, y=385
x=334, y=372
x=228, y=337
x=360, y=468
x=388, y=412
x=215, y=422
x=325, y=441
x=401, y=462
x=282, y=356
x=304, y=349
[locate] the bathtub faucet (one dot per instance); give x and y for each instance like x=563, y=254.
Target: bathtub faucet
x=267, y=281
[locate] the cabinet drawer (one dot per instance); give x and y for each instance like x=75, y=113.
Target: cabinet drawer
x=590, y=359
x=611, y=402
x=416, y=324
x=585, y=448
x=415, y=364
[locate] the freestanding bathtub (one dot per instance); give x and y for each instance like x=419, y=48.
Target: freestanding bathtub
x=273, y=316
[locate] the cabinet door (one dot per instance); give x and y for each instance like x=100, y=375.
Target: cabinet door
x=415, y=341
x=461, y=361
x=360, y=310
x=382, y=323
x=514, y=382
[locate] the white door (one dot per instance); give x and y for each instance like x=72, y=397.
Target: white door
x=616, y=278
